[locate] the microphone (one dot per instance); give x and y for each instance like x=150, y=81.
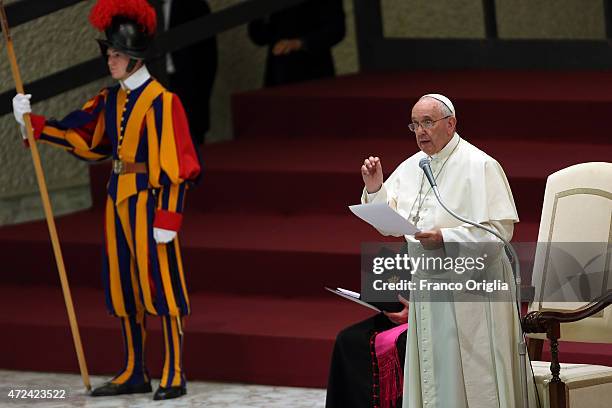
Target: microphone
x=424, y=165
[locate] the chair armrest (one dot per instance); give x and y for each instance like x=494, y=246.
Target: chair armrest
x=549, y=322
x=544, y=321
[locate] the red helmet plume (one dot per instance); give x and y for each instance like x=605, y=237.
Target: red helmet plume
x=141, y=11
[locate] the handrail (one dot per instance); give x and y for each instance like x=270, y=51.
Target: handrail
x=27, y=10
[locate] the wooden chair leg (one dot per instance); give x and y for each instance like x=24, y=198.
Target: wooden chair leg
x=556, y=387
x=534, y=348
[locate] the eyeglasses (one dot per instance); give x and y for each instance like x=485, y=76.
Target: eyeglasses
x=426, y=124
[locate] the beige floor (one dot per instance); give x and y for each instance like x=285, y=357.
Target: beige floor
x=200, y=394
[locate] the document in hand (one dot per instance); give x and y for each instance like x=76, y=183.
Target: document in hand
x=356, y=297
x=384, y=218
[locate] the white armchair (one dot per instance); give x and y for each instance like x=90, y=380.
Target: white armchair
x=577, y=209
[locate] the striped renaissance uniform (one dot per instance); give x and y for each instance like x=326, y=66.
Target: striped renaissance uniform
x=143, y=128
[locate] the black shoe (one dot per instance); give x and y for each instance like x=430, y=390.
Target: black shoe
x=109, y=389
x=163, y=393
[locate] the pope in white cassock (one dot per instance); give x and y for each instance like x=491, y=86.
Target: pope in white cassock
x=459, y=354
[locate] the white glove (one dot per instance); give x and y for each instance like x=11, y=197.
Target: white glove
x=163, y=236
x=21, y=106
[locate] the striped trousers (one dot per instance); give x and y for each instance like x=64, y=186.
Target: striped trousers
x=141, y=277
x=138, y=274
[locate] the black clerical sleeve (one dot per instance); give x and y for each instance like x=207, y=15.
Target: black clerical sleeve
x=329, y=29
x=318, y=23
x=260, y=32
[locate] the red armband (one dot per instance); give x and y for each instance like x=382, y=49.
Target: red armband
x=168, y=220
x=38, y=124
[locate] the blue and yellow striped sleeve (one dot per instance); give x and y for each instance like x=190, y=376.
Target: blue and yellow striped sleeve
x=170, y=205
x=176, y=165
x=81, y=132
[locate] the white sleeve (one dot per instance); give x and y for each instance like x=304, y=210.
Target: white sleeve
x=378, y=197
x=469, y=233
x=483, y=241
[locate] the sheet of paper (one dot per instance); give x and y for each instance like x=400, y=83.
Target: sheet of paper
x=350, y=295
x=384, y=218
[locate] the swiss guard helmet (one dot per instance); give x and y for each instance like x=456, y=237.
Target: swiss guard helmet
x=129, y=26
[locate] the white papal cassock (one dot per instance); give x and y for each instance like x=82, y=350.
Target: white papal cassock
x=459, y=354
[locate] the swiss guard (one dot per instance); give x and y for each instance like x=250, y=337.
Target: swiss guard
x=142, y=127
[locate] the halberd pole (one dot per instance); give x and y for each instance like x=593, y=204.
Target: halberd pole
x=44, y=194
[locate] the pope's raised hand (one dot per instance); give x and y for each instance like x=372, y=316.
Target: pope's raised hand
x=371, y=172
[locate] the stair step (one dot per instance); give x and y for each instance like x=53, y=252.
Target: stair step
x=252, y=339
x=489, y=105
x=260, y=340
x=224, y=253
x=322, y=176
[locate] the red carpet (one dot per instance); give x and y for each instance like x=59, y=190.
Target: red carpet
x=551, y=106
x=269, y=225
x=269, y=340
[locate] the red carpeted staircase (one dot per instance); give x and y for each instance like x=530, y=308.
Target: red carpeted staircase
x=269, y=225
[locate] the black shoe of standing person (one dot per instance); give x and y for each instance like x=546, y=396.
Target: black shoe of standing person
x=110, y=388
x=164, y=393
